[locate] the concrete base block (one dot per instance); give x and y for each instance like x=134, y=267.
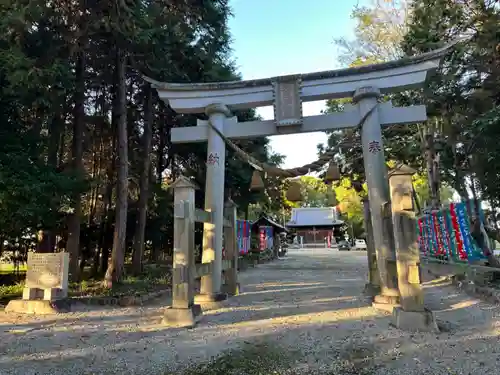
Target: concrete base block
x=385, y=303
x=39, y=307
x=415, y=321
x=382, y=298
x=32, y=293
x=182, y=318
x=230, y=292
x=371, y=290
x=387, y=307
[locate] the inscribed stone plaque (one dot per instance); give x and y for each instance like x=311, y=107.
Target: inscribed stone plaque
x=287, y=102
x=47, y=270
x=401, y=192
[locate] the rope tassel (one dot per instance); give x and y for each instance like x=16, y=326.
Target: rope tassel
x=257, y=183
x=294, y=192
x=332, y=173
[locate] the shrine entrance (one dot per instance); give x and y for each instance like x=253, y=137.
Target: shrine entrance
x=316, y=226
x=365, y=85
x=316, y=237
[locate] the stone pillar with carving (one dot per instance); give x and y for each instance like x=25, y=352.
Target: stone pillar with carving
x=378, y=194
x=411, y=315
x=183, y=312
x=231, y=285
x=210, y=290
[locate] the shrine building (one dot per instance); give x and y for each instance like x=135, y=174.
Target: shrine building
x=317, y=226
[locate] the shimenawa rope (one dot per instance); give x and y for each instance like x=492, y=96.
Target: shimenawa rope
x=286, y=173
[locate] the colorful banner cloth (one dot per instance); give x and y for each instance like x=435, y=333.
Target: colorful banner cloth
x=266, y=237
x=243, y=236
x=447, y=233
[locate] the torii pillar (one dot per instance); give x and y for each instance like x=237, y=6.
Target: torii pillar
x=379, y=197
x=372, y=287
x=210, y=290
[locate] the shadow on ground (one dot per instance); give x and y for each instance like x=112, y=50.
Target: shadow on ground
x=310, y=320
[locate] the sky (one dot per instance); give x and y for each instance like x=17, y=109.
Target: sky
x=279, y=37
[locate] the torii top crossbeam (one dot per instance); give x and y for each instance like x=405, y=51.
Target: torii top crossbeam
x=394, y=76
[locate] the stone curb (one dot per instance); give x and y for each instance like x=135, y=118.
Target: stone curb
x=123, y=301
x=484, y=293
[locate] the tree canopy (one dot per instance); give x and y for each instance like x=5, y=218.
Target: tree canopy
x=86, y=155
x=462, y=99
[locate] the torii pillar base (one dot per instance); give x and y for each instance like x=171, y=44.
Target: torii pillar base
x=182, y=317
x=371, y=290
x=210, y=301
x=386, y=303
x=414, y=321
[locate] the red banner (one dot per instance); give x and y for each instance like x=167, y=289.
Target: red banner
x=421, y=239
x=456, y=228
x=437, y=234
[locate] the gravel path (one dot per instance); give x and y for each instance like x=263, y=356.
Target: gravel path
x=310, y=305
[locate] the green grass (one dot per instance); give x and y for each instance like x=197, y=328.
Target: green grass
x=151, y=279
x=260, y=359
x=8, y=292
x=270, y=359
x=9, y=268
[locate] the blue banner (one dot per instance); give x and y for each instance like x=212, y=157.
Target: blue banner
x=449, y=232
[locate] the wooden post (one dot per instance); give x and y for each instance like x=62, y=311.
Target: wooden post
x=276, y=244
x=231, y=250
x=183, y=311
x=412, y=314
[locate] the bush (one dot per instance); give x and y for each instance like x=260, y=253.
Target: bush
x=266, y=255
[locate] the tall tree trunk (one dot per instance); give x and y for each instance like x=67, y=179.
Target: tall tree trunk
x=108, y=197
x=62, y=147
x=430, y=161
x=160, y=153
x=245, y=211
x=46, y=241
x=144, y=181
x=436, y=179
x=108, y=152
x=459, y=178
x=114, y=272
x=73, y=245
x=47, y=237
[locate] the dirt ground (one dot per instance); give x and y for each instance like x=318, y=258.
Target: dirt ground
x=309, y=305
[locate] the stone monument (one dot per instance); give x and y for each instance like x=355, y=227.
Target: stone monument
x=46, y=282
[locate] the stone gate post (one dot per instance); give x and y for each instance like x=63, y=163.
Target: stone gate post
x=210, y=290
x=378, y=194
x=411, y=315
x=231, y=248
x=183, y=312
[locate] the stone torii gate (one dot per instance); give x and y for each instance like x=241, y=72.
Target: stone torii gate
x=364, y=84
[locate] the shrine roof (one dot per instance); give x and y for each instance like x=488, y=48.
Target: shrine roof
x=353, y=71
x=314, y=217
x=266, y=221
